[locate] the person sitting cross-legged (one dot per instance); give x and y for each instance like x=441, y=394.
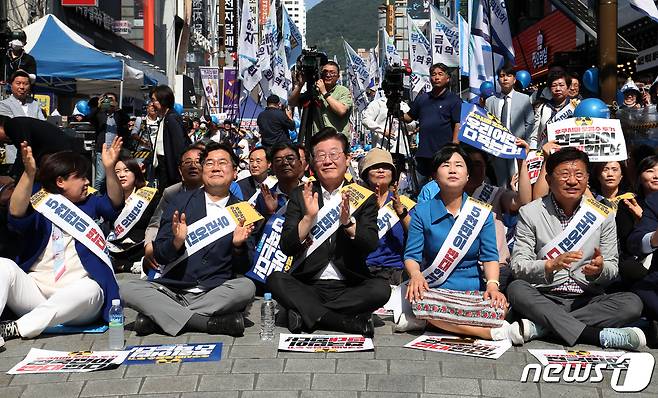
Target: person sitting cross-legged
x=201, y=292
x=565, y=254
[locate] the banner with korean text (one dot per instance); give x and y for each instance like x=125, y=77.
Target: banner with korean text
x=484, y=131
x=602, y=139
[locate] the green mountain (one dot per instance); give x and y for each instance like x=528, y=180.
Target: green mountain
x=332, y=20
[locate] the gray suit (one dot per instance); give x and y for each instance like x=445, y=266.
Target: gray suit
x=152, y=229
x=521, y=122
x=532, y=294
x=12, y=107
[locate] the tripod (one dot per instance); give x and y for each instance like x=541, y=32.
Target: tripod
x=402, y=162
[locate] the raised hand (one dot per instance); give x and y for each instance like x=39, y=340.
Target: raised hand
x=241, y=233
x=522, y=143
x=179, y=229
x=310, y=198
x=634, y=207
x=28, y=160
x=345, y=209
x=397, y=203
x=550, y=147
x=110, y=154
x=381, y=190
x=270, y=198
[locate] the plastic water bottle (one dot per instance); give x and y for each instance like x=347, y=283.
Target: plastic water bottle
x=267, y=318
x=116, y=326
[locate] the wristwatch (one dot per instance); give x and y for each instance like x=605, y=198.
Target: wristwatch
x=349, y=224
x=326, y=95
x=404, y=213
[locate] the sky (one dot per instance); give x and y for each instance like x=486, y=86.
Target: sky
x=311, y=3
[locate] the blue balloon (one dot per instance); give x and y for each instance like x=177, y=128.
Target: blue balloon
x=591, y=80
x=178, y=108
x=215, y=119
x=293, y=135
x=523, y=77
x=367, y=147
x=592, y=107
x=486, y=89
x=83, y=107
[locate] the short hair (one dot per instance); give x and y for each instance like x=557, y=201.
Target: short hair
x=445, y=153
x=507, y=69
x=303, y=148
x=332, y=63
x=647, y=163
x=568, y=154
x=442, y=66
x=220, y=146
x=258, y=148
x=164, y=95
x=199, y=146
x=133, y=165
x=557, y=75
x=329, y=133
x=19, y=73
x=280, y=147
x=273, y=99
x=61, y=164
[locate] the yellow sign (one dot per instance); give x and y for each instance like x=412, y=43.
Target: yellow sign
x=44, y=102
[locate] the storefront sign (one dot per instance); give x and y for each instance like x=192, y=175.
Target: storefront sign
x=81, y=3
x=540, y=57
x=230, y=25
x=647, y=59
x=121, y=27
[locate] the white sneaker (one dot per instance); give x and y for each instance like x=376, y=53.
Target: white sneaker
x=632, y=339
x=407, y=323
x=508, y=331
x=531, y=330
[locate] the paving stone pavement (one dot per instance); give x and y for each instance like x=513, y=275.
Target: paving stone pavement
x=250, y=368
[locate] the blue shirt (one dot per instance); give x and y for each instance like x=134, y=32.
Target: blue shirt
x=429, y=228
x=428, y=191
x=436, y=117
x=391, y=246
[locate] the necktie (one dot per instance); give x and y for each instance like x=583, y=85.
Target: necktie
x=504, y=111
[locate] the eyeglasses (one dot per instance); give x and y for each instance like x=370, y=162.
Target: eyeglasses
x=190, y=162
x=290, y=159
x=216, y=162
x=321, y=157
x=564, y=177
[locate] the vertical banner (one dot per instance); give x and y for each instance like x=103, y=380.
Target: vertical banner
x=247, y=46
x=231, y=85
x=444, y=39
x=210, y=83
x=263, y=11
x=230, y=25
x=198, y=20
x=359, y=77
x=420, y=58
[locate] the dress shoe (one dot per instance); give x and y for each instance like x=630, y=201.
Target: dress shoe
x=230, y=324
x=361, y=324
x=144, y=325
x=295, y=322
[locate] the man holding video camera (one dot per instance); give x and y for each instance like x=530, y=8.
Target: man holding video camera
x=333, y=101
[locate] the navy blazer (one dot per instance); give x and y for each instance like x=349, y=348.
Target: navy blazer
x=648, y=223
x=209, y=267
x=37, y=230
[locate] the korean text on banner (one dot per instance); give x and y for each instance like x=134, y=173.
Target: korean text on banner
x=210, y=83
x=602, y=139
x=484, y=131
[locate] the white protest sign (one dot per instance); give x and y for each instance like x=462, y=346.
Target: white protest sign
x=602, y=139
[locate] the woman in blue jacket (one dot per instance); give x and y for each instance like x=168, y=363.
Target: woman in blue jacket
x=58, y=279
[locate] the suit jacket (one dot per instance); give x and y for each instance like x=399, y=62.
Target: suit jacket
x=539, y=224
x=648, y=224
x=12, y=107
x=99, y=120
x=175, y=141
x=348, y=255
x=209, y=267
x=522, y=117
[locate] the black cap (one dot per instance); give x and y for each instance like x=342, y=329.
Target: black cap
x=273, y=99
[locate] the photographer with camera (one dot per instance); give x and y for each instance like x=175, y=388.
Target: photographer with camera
x=109, y=121
x=333, y=100
x=439, y=115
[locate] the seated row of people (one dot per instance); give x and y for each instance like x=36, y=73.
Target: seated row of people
x=344, y=255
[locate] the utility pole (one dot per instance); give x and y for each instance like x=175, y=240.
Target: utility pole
x=607, y=32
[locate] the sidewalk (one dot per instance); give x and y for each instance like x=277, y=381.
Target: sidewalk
x=250, y=368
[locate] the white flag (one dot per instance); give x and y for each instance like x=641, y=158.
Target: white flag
x=443, y=48
x=647, y=7
x=267, y=50
x=499, y=29
x=374, y=72
x=247, y=45
x=392, y=55
x=420, y=58
x=282, y=82
x=359, y=77
x=480, y=55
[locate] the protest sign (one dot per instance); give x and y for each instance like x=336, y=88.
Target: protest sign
x=174, y=353
x=461, y=346
x=602, y=139
x=564, y=357
x=534, y=161
x=324, y=343
x=46, y=361
x=484, y=131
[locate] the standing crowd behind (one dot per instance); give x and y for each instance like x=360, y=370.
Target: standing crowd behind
x=211, y=215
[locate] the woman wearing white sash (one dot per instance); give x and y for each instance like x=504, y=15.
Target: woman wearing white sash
x=463, y=303
x=60, y=277
x=128, y=250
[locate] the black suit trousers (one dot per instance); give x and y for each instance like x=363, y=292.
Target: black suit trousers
x=314, y=299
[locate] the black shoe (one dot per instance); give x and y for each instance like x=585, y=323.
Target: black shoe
x=368, y=327
x=230, y=324
x=144, y=325
x=361, y=324
x=295, y=322
x=9, y=330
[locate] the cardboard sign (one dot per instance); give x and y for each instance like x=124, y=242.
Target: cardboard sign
x=46, y=361
x=324, y=343
x=481, y=129
x=602, y=139
x=461, y=346
x=174, y=353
